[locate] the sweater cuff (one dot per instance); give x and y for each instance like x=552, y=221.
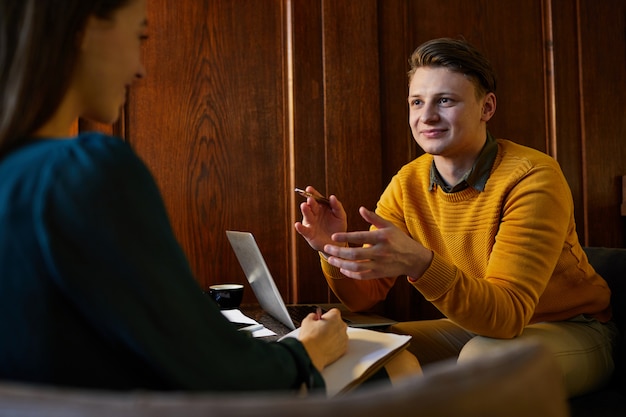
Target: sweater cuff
x=307, y=372
x=437, y=279
x=329, y=270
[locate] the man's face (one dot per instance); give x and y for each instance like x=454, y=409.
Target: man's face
x=447, y=118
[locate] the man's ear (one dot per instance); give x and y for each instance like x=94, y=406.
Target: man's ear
x=489, y=107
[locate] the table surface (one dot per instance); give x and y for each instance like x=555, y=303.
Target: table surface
x=255, y=312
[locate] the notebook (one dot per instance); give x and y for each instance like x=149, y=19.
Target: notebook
x=264, y=288
x=368, y=351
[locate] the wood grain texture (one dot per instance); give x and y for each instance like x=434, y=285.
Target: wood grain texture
x=602, y=49
x=352, y=104
x=309, y=150
x=209, y=121
x=568, y=138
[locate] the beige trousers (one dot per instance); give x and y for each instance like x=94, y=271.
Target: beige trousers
x=582, y=347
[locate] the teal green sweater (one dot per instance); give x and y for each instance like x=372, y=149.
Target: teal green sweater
x=95, y=291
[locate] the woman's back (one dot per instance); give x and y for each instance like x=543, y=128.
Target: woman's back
x=95, y=289
x=63, y=205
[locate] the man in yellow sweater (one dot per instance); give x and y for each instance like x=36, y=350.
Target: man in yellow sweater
x=482, y=227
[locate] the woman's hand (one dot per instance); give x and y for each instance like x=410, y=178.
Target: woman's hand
x=325, y=338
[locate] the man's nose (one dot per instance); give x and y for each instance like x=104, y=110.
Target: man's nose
x=430, y=113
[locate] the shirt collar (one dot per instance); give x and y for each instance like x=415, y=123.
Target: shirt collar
x=476, y=177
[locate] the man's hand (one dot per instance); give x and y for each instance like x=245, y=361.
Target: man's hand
x=384, y=252
x=320, y=221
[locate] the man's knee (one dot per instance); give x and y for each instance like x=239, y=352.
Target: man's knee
x=478, y=345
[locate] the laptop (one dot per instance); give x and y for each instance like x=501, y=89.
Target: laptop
x=264, y=288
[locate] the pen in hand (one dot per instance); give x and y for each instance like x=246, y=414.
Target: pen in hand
x=322, y=200
x=318, y=313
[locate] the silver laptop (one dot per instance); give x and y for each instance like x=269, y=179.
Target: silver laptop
x=268, y=296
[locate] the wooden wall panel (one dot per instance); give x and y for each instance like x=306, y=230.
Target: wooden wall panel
x=562, y=43
x=398, y=146
x=352, y=104
x=602, y=26
x=337, y=140
x=209, y=119
x=309, y=150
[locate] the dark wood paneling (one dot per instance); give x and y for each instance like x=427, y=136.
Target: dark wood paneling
x=352, y=104
x=209, y=120
x=564, y=47
x=336, y=115
x=603, y=92
x=308, y=136
x=396, y=46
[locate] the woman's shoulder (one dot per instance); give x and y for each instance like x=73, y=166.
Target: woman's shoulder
x=102, y=148
x=86, y=148
x=94, y=151
x=92, y=159
x=99, y=159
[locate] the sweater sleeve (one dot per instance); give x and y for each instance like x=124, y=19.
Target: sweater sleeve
x=363, y=295
x=107, y=238
x=356, y=295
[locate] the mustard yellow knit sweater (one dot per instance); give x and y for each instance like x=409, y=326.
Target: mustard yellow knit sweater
x=503, y=258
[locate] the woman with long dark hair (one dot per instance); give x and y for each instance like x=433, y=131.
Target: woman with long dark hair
x=95, y=291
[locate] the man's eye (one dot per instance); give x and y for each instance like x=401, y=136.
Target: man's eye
x=446, y=101
x=416, y=102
